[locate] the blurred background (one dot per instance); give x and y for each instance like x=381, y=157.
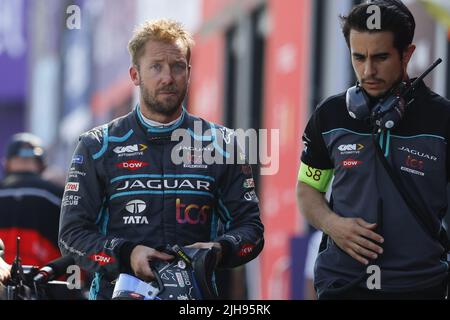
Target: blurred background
x=257, y=64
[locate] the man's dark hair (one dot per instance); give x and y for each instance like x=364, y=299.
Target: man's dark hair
x=395, y=17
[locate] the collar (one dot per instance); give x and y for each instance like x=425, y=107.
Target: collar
x=151, y=129
x=158, y=134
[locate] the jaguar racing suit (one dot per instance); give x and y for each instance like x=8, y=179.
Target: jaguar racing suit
x=125, y=189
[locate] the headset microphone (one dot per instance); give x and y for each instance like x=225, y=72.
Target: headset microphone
x=388, y=112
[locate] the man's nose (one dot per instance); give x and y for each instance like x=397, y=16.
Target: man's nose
x=166, y=75
x=369, y=69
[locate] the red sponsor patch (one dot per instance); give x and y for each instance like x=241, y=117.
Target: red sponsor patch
x=132, y=165
x=246, y=249
x=101, y=258
x=72, y=186
x=349, y=163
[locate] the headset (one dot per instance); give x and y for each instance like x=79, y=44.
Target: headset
x=390, y=109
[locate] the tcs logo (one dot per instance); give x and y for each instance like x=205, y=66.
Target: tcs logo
x=192, y=213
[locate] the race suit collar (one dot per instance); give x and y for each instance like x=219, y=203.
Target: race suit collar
x=155, y=130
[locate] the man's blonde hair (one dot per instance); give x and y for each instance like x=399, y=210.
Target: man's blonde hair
x=159, y=30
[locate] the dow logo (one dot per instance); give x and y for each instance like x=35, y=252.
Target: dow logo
x=350, y=163
x=135, y=206
x=132, y=165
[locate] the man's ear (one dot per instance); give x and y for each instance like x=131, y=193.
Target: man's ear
x=189, y=75
x=134, y=75
x=407, y=54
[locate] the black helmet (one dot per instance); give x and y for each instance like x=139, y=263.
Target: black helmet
x=25, y=145
x=188, y=277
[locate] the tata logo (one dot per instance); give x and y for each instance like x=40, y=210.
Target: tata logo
x=350, y=163
x=132, y=165
x=131, y=150
x=135, y=220
x=191, y=213
x=71, y=186
x=102, y=258
x=135, y=206
x=350, y=148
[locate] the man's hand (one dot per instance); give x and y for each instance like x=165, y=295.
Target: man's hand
x=355, y=236
x=208, y=245
x=140, y=259
x=5, y=271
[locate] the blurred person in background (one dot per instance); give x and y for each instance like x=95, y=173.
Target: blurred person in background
x=389, y=220
x=133, y=200
x=29, y=205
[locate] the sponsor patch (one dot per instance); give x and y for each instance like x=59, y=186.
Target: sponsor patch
x=70, y=200
x=350, y=163
x=131, y=150
x=135, y=206
x=73, y=173
x=101, y=258
x=135, y=220
x=71, y=186
x=417, y=172
x=249, y=196
x=354, y=148
x=132, y=165
x=195, y=166
x=246, y=249
x=77, y=159
x=249, y=183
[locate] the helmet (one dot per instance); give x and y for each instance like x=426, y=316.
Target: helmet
x=188, y=277
x=25, y=145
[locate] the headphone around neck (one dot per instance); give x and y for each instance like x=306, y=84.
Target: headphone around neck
x=385, y=115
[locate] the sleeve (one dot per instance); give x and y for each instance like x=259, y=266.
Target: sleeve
x=316, y=167
x=238, y=208
x=315, y=153
x=84, y=218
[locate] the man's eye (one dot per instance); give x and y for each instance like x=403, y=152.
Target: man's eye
x=179, y=67
x=358, y=58
x=156, y=67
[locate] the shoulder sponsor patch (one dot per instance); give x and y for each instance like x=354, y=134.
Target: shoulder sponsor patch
x=70, y=200
x=77, y=159
x=249, y=183
x=72, y=186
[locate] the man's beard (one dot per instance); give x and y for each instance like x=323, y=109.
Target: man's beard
x=166, y=108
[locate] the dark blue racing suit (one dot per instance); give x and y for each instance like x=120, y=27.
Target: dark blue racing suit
x=123, y=189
